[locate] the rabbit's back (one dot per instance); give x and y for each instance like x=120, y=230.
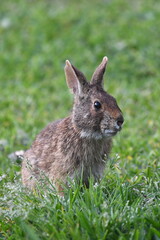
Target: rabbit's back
x=38, y=156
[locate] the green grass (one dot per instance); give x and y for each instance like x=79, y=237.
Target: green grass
x=36, y=37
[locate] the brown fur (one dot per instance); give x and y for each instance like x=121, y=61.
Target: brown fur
x=75, y=146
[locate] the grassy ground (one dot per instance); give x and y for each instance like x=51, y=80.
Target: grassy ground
x=35, y=39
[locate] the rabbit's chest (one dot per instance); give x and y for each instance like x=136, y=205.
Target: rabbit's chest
x=88, y=161
x=88, y=168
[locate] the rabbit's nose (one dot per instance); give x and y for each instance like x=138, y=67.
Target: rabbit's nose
x=120, y=121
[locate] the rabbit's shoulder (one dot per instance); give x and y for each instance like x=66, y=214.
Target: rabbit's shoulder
x=47, y=134
x=49, y=130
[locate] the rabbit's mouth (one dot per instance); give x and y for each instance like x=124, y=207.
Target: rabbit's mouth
x=109, y=133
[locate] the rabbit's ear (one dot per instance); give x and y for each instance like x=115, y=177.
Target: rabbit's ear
x=97, y=77
x=76, y=81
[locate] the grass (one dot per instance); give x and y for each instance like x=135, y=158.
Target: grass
x=36, y=39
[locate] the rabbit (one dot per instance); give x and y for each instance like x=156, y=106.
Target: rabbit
x=78, y=145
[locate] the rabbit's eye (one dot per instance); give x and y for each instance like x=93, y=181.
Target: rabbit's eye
x=97, y=105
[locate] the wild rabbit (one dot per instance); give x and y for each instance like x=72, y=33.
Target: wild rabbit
x=78, y=145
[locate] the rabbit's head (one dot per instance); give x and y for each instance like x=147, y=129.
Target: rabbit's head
x=95, y=112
